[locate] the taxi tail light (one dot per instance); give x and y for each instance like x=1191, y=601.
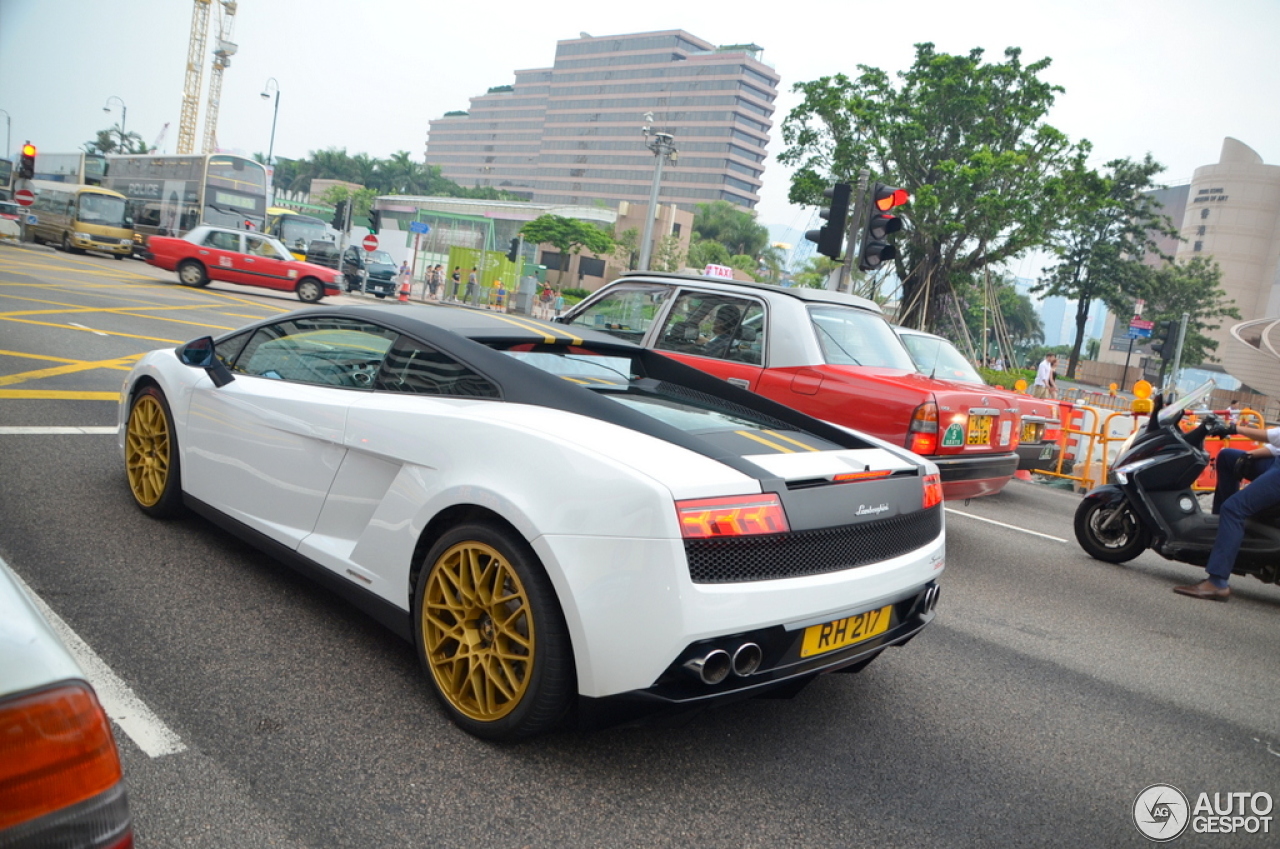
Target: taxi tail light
x=932, y=491
x=731, y=516
x=1052, y=431
x=60, y=774
x=922, y=435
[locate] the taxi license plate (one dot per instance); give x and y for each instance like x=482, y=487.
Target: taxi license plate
x=845, y=632
x=1031, y=432
x=979, y=430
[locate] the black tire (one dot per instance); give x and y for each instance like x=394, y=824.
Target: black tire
x=192, y=273
x=1119, y=544
x=119, y=256
x=310, y=290
x=503, y=670
x=66, y=244
x=151, y=455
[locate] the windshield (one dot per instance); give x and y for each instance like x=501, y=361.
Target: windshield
x=379, y=256
x=939, y=358
x=853, y=337
x=300, y=232
x=1189, y=401
x=103, y=210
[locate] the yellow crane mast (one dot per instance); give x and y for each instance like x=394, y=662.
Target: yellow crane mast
x=195, y=74
x=222, y=54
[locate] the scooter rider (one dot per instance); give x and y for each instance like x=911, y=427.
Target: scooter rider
x=1233, y=505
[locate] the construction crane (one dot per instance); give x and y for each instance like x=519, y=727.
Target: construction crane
x=194, y=78
x=222, y=54
x=160, y=138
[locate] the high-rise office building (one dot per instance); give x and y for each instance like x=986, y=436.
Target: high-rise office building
x=571, y=133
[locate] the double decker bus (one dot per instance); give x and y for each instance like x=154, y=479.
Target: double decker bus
x=80, y=218
x=89, y=169
x=169, y=195
x=295, y=229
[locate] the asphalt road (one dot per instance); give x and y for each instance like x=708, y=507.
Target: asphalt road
x=1051, y=690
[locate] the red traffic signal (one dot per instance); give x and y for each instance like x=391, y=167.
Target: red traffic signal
x=880, y=225
x=27, y=162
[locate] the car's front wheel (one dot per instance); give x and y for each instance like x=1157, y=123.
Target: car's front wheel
x=151, y=455
x=310, y=290
x=66, y=244
x=491, y=635
x=191, y=273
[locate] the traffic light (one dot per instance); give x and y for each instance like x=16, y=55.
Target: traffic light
x=27, y=162
x=881, y=223
x=830, y=238
x=514, y=251
x=339, y=221
x=375, y=220
x=1165, y=340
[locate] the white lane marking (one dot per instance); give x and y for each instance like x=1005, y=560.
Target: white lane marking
x=121, y=704
x=90, y=329
x=9, y=431
x=1003, y=525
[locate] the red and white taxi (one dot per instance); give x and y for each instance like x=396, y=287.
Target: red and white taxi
x=235, y=256
x=827, y=354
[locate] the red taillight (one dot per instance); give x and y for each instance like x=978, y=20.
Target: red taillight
x=56, y=750
x=932, y=491
x=849, y=477
x=1052, y=431
x=732, y=516
x=922, y=435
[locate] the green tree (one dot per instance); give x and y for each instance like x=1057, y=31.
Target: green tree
x=362, y=199
x=707, y=252
x=569, y=235
x=667, y=255
x=1113, y=223
x=815, y=272
x=627, y=247
x=966, y=138
x=731, y=226
x=113, y=140
x=1191, y=287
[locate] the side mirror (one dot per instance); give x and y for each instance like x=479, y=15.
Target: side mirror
x=200, y=353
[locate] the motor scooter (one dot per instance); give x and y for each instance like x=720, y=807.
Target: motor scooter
x=1151, y=503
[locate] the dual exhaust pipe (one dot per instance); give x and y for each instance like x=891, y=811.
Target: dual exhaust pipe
x=715, y=666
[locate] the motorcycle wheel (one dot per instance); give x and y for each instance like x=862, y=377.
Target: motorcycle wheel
x=1122, y=542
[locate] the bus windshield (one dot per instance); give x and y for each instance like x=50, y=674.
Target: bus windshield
x=103, y=210
x=298, y=231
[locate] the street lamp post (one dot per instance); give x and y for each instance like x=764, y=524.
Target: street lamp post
x=663, y=146
x=124, y=113
x=7, y=126
x=266, y=93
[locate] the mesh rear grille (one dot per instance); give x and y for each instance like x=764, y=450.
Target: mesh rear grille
x=791, y=555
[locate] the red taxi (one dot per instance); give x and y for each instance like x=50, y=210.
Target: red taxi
x=235, y=256
x=827, y=354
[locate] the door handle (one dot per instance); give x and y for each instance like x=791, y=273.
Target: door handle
x=740, y=383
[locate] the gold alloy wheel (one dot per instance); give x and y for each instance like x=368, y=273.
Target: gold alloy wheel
x=478, y=631
x=148, y=450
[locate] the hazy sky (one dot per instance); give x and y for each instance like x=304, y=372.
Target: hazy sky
x=1169, y=77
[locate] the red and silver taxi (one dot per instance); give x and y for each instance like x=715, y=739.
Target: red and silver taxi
x=235, y=256
x=827, y=354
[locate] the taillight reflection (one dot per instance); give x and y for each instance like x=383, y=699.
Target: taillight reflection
x=731, y=516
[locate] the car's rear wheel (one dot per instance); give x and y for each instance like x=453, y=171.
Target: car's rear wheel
x=310, y=290
x=491, y=635
x=151, y=455
x=191, y=273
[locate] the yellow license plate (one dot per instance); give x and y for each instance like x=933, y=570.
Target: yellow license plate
x=979, y=430
x=1031, y=432
x=845, y=632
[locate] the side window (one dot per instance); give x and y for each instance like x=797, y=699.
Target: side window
x=414, y=367
x=627, y=312
x=222, y=241
x=714, y=325
x=326, y=351
x=259, y=246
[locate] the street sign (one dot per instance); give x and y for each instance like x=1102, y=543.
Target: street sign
x=419, y=227
x=24, y=197
x=370, y=242
x=32, y=220
x=1140, y=329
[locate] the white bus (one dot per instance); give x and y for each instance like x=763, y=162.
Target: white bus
x=169, y=195
x=81, y=168
x=80, y=218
